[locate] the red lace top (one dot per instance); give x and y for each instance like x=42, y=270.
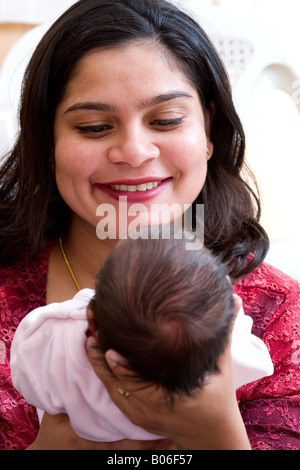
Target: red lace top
x=270, y=407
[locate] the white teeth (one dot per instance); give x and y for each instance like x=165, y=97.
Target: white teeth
x=142, y=187
x=139, y=187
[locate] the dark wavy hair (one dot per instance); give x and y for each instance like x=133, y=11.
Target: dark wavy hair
x=31, y=208
x=167, y=310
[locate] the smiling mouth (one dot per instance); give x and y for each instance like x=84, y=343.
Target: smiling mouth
x=135, y=188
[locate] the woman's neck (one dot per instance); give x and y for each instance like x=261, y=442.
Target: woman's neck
x=84, y=253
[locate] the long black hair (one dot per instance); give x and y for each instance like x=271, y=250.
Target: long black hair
x=31, y=208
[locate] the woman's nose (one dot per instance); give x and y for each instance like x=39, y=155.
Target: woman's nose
x=134, y=149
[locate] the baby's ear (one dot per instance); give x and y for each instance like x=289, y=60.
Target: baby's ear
x=91, y=321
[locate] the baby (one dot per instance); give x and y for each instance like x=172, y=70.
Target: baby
x=169, y=311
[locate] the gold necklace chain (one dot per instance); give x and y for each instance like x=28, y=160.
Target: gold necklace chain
x=68, y=264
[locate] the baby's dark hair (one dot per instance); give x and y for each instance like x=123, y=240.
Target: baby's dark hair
x=166, y=309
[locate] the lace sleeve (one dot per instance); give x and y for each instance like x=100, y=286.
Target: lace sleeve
x=22, y=288
x=271, y=407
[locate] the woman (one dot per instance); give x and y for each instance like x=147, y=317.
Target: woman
x=128, y=98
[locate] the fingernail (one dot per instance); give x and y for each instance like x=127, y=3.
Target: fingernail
x=91, y=342
x=111, y=358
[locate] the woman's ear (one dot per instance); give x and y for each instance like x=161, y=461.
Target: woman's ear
x=209, y=117
x=210, y=149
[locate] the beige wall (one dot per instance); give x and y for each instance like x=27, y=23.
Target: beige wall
x=9, y=33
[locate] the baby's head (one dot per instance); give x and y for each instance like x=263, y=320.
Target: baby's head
x=167, y=310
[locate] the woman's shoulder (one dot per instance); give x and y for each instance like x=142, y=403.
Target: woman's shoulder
x=23, y=285
x=22, y=289
x=25, y=267
x=268, y=294
x=270, y=406
x=266, y=276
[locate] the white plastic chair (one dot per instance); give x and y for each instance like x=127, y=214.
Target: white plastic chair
x=258, y=61
x=253, y=55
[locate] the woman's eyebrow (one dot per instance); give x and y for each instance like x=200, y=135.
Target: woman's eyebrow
x=91, y=106
x=171, y=95
x=109, y=108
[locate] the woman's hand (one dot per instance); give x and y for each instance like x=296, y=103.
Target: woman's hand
x=209, y=420
x=56, y=433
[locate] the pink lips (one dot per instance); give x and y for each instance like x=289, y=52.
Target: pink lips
x=133, y=196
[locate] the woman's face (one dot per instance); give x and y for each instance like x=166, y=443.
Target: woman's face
x=130, y=124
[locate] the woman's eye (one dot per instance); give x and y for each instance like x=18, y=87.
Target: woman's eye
x=167, y=124
x=94, y=130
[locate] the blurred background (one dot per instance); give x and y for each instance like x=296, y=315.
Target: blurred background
x=259, y=42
